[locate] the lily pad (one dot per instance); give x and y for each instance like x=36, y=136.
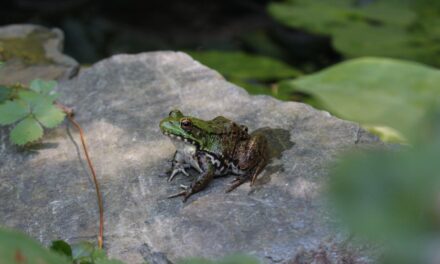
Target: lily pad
x=375, y=91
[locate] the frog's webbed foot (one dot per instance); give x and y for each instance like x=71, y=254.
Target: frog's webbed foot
x=236, y=182
x=178, y=165
x=186, y=194
x=199, y=183
x=177, y=168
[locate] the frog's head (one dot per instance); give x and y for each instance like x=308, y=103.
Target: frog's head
x=184, y=128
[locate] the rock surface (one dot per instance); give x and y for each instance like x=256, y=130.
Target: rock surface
x=119, y=102
x=32, y=52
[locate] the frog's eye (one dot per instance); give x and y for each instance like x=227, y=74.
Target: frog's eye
x=185, y=123
x=175, y=113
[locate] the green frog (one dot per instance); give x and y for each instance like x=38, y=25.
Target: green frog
x=213, y=148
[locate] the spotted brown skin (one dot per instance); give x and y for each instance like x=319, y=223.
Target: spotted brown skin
x=214, y=148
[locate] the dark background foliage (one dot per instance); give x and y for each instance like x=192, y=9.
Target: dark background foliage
x=98, y=29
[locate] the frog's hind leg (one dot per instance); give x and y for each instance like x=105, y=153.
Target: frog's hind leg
x=252, y=160
x=239, y=180
x=260, y=166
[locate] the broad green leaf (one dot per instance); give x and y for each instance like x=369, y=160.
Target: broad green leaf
x=61, y=247
x=42, y=87
x=391, y=198
x=42, y=107
x=375, y=91
x=13, y=111
x=390, y=28
x=5, y=93
x=48, y=114
x=26, y=131
x=32, y=98
x=259, y=88
x=240, y=65
x=16, y=248
x=325, y=16
x=363, y=39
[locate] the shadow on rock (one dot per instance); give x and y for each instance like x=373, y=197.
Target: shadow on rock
x=279, y=141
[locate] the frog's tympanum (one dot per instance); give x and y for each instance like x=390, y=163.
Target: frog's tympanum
x=213, y=148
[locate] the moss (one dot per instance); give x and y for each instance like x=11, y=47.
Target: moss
x=30, y=50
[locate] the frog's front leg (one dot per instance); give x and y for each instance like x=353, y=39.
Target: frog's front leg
x=201, y=181
x=179, y=164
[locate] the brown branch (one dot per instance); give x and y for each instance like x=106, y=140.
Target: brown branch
x=69, y=114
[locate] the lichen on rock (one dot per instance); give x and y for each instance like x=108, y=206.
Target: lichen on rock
x=31, y=52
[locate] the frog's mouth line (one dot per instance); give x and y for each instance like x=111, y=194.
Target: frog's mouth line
x=172, y=136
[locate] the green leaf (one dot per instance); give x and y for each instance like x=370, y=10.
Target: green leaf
x=62, y=248
x=82, y=250
x=5, y=93
x=32, y=98
x=399, y=29
x=42, y=87
x=327, y=16
x=391, y=197
x=375, y=91
x=244, y=66
x=98, y=254
x=26, y=131
x=53, y=96
x=13, y=111
x=48, y=114
x=16, y=248
x=42, y=107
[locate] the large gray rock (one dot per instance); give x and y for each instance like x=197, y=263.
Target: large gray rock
x=48, y=193
x=32, y=52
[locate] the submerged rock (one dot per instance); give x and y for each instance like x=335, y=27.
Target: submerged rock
x=31, y=52
x=119, y=102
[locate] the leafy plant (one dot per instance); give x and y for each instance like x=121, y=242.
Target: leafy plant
x=253, y=72
x=375, y=92
x=82, y=253
x=17, y=248
x=399, y=29
x=392, y=198
x=31, y=110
